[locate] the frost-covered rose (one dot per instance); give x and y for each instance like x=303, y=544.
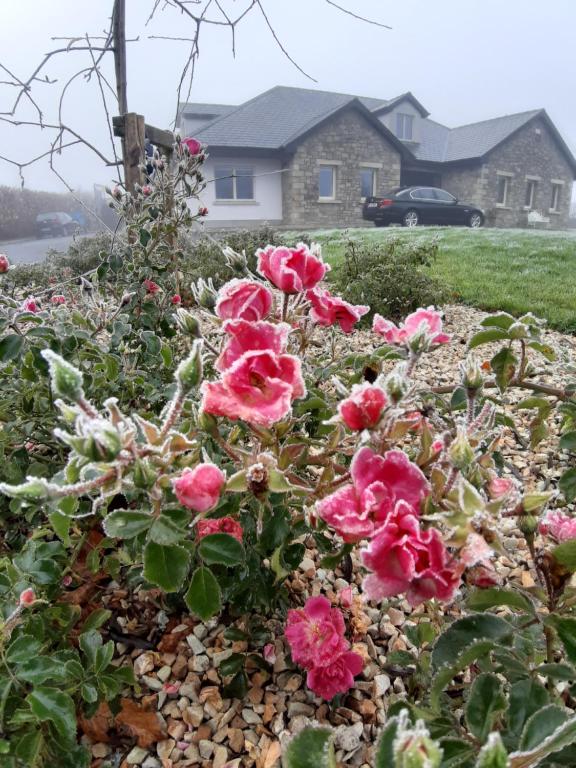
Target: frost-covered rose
x=151, y=286
x=4, y=263
x=425, y=322
x=292, y=270
x=59, y=299
x=358, y=509
x=329, y=310
x=407, y=560
x=176, y=299
x=364, y=407
x=243, y=300
x=258, y=388
x=221, y=525
x=199, y=488
x=194, y=146
x=245, y=336
x=315, y=633
x=27, y=597
x=30, y=305
x=558, y=525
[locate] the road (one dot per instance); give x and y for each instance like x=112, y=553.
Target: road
x=29, y=251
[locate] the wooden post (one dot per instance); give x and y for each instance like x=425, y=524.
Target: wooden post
x=133, y=146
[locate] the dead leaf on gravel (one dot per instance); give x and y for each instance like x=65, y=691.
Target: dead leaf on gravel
x=98, y=727
x=145, y=726
x=273, y=755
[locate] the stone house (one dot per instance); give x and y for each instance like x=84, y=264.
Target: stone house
x=303, y=158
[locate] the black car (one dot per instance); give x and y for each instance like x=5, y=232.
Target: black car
x=55, y=224
x=411, y=206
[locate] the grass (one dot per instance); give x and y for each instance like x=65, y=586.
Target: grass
x=510, y=269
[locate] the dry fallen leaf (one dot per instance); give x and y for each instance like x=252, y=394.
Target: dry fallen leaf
x=98, y=726
x=273, y=755
x=145, y=726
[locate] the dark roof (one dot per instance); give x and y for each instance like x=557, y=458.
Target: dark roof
x=408, y=96
x=278, y=117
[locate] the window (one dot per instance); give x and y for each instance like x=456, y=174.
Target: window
x=404, y=125
x=556, y=194
x=234, y=182
x=367, y=182
x=327, y=182
x=423, y=193
x=444, y=196
x=530, y=200
x=502, y=194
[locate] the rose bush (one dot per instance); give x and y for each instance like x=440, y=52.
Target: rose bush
x=208, y=478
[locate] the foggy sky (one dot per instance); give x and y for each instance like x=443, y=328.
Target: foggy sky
x=464, y=61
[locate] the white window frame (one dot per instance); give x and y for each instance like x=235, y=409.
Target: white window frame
x=374, y=168
x=532, y=185
x=401, y=120
x=557, y=186
x=507, y=177
x=234, y=199
x=333, y=164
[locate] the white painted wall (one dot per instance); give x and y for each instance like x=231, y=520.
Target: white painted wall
x=267, y=203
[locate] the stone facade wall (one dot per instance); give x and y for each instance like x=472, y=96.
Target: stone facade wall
x=531, y=152
x=349, y=140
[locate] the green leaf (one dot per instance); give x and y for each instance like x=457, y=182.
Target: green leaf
x=221, y=549
x=166, y=566
x=545, y=349
x=61, y=524
x=237, y=688
x=568, y=441
x=165, y=531
x=126, y=523
x=557, y=671
x=533, y=402
x=526, y=698
x=469, y=499
x=484, y=704
x=57, y=707
x=99, y=655
x=232, y=664
x=144, y=237
x=11, y=347
x=40, y=669
x=481, y=599
x=566, y=630
x=203, y=596
x=542, y=724
x=493, y=754
x=385, y=757
x=499, y=320
x=311, y=748
x=96, y=619
x=568, y=484
x=29, y=748
x=333, y=560
x=22, y=649
x=504, y=366
x=563, y=736
x=486, y=337
x=464, y=632
x=565, y=554
x=456, y=752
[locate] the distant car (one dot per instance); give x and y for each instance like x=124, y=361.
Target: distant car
x=55, y=224
x=411, y=206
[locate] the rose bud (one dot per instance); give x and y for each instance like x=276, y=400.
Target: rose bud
x=27, y=597
x=203, y=211
x=4, y=263
x=146, y=190
x=199, y=488
x=58, y=299
x=193, y=146
x=176, y=299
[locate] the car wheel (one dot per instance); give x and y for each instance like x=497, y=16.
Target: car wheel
x=410, y=219
x=475, y=220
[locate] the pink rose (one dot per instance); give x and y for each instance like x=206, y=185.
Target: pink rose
x=483, y=577
x=146, y=190
x=315, y=633
x=258, y=388
x=58, y=299
x=199, y=488
x=364, y=408
x=424, y=321
x=561, y=527
x=194, y=146
x=337, y=677
x=220, y=525
x=329, y=310
x=500, y=487
x=292, y=270
x=203, y=211
x=346, y=597
x=475, y=551
x=176, y=299
x=30, y=305
x=27, y=597
x=243, y=300
x=357, y=510
x=437, y=446
x=151, y=286
x=246, y=336
x=405, y=559
x=4, y=263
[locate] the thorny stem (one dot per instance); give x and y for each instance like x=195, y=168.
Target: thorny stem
x=451, y=480
x=174, y=410
x=412, y=360
x=79, y=489
x=285, y=305
x=88, y=408
x=471, y=402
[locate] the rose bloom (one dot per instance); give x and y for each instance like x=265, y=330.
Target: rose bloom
x=427, y=320
x=194, y=146
x=329, y=310
x=199, y=488
x=220, y=525
x=437, y=446
x=258, y=388
x=58, y=299
x=4, y=263
x=176, y=299
x=483, y=577
x=500, y=487
x=292, y=270
x=243, y=300
x=561, y=527
x=245, y=336
x=358, y=509
x=151, y=286
x=27, y=597
x=315, y=633
x=30, y=305
x=336, y=677
x=146, y=190
x=364, y=408
x=405, y=559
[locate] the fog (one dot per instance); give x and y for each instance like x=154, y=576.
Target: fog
x=463, y=61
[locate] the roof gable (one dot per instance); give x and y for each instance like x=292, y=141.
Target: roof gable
x=393, y=103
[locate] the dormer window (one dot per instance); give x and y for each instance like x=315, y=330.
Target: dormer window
x=404, y=126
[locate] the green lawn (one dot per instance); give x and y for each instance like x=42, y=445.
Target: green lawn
x=510, y=269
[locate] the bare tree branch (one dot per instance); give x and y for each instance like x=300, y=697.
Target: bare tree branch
x=356, y=16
